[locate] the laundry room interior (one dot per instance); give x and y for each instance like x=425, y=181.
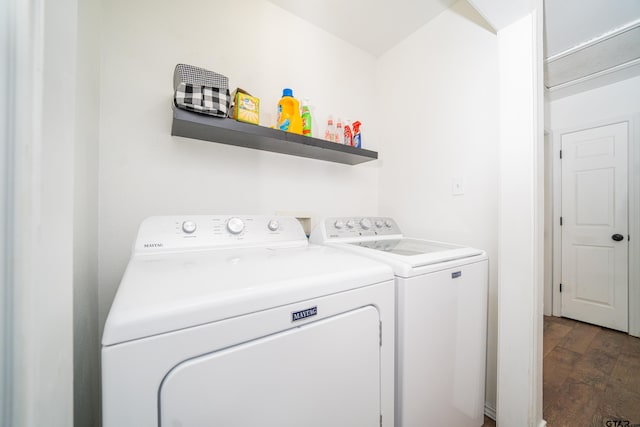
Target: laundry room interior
x=454, y=106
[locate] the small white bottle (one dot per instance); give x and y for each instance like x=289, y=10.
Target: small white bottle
x=330, y=132
x=348, y=135
x=339, y=132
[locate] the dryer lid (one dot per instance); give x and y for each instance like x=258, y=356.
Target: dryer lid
x=164, y=292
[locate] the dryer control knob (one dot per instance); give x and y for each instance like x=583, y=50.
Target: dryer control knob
x=365, y=223
x=387, y=223
x=379, y=224
x=189, y=227
x=350, y=224
x=273, y=225
x=338, y=224
x=235, y=225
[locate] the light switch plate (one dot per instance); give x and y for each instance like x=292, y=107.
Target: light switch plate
x=457, y=186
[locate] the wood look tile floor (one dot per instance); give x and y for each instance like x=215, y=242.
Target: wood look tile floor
x=591, y=375
x=488, y=422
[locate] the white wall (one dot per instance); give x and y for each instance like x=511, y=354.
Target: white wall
x=144, y=171
x=438, y=103
x=594, y=106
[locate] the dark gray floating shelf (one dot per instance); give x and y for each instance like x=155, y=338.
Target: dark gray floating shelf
x=232, y=132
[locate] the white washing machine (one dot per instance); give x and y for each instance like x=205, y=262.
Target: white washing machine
x=237, y=321
x=441, y=319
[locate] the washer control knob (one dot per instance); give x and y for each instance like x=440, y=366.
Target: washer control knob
x=387, y=223
x=273, y=225
x=189, y=227
x=235, y=225
x=365, y=223
x=338, y=224
x=351, y=223
x=379, y=223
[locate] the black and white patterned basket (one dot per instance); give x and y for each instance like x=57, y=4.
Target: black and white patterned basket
x=200, y=90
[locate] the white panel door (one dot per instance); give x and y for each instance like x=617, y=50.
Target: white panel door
x=325, y=373
x=595, y=226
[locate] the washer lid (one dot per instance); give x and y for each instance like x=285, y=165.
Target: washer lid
x=166, y=292
x=419, y=252
x=404, y=254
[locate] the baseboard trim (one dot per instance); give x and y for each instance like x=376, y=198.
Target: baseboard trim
x=490, y=411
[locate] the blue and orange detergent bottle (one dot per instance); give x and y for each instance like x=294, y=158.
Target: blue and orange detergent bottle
x=289, y=118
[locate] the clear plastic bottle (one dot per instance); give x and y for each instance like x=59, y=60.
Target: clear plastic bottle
x=330, y=131
x=339, y=132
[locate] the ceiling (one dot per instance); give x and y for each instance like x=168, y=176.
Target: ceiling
x=374, y=26
x=586, y=41
x=569, y=23
x=590, y=42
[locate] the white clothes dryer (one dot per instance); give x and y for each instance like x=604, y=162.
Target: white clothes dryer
x=441, y=319
x=237, y=321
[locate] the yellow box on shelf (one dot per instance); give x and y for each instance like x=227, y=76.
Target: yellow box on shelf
x=247, y=107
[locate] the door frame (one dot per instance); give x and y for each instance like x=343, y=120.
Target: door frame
x=20, y=172
x=548, y=219
x=633, y=142
x=6, y=82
